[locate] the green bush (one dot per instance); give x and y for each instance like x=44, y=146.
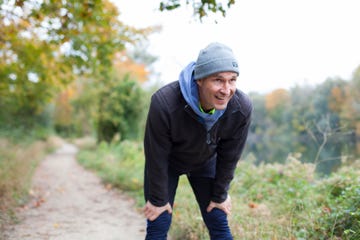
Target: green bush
x=341, y=207
x=122, y=110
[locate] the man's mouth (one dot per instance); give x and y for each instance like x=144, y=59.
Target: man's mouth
x=220, y=98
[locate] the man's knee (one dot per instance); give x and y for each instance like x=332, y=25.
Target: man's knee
x=159, y=228
x=217, y=224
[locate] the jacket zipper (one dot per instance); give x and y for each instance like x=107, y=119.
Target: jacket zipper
x=193, y=115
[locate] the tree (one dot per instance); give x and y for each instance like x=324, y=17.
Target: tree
x=326, y=127
x=46, y=45
x=121, y=111
x=201, y=8
x=269, y=137
x=64, y=112
x=350, y=110
x=256, y=145
x=276, y=102
x=28, y=70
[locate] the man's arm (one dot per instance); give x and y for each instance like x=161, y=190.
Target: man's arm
x=157, y=146
x=228, y=155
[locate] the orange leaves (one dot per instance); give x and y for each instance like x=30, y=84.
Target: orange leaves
x=326, y=209
x=56, y=225
x=38, y=199
x=276, y=98
x=38, y=202
x=108, y=186
x=259, y=209
x=253, y=205
x=24, y=23
x=64, y=110
x=336, y=99
x=125, y=65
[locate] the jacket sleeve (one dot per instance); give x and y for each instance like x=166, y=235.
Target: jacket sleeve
x=157, y=146
x=228, y=154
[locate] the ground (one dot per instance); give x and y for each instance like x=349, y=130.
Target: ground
x=70, y=203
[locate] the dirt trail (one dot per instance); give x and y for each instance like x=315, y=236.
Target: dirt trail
x=70, y=203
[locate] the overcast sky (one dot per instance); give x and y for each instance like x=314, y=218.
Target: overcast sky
x=279, y=43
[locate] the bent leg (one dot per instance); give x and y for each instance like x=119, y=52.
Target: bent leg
x=217, y=223
x=216, y=220
x=158, y=229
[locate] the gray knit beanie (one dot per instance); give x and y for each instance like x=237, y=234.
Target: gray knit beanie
x=216, y=57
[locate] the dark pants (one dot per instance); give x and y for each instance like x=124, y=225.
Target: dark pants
x=201, y=182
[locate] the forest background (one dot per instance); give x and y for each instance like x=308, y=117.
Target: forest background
x=73, y=69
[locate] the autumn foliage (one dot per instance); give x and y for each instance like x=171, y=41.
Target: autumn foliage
x=56, y=54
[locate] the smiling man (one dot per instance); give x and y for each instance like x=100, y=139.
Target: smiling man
x=196, y=126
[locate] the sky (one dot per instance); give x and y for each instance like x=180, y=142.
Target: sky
x=278, y=43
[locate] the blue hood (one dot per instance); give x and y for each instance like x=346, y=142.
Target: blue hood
x=189, y=90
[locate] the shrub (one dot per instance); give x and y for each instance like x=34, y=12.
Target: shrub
x=340, y=217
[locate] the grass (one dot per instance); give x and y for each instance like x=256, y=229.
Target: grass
x=18, y=160
x=270, y=201
x=119, y=165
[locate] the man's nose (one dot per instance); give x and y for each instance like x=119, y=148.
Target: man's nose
x=226, y=88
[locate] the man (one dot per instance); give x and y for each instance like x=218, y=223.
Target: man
x=196, y=126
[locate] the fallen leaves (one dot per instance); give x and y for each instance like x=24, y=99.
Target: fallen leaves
x=253, y=205
x=37, y=199
x=38, y=202
x=259, y=209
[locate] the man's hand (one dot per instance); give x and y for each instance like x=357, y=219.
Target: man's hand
x=152, y=212
x=225, y=206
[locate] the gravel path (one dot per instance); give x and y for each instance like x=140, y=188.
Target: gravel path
x=70, y=203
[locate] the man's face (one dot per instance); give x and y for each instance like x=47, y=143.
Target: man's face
x=215, y=91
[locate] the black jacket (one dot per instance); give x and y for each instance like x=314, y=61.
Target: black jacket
x=176, y=138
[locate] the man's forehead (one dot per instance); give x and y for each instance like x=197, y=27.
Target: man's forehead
x=224, y=75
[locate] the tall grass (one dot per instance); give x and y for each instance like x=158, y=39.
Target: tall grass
x=270, y=201
x=18, y=160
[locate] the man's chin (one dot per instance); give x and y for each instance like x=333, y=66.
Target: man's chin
x=220, y=106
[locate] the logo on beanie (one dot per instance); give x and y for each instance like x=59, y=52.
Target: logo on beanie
x=235, y=64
